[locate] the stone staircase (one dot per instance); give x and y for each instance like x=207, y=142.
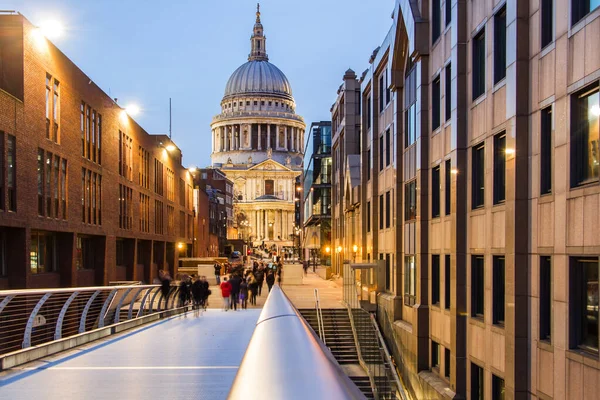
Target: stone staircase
x=340, y=340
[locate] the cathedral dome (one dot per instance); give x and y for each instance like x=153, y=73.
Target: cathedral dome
x=258, y=77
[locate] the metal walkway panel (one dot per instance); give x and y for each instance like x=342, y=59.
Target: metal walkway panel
x=179, y=358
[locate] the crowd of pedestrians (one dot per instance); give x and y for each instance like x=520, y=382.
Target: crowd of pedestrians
x=239, y=285
x=245, y=284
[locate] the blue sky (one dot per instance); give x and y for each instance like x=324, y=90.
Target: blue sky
x=144, y=52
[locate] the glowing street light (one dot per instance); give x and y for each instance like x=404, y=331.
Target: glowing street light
x=51, y=29
x=132, y=110
x=170, y=147
x=192, y=169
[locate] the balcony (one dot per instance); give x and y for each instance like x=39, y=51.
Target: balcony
x=259, y=114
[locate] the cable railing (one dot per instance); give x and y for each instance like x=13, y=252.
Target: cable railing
x=39, y=316
x=319, y=313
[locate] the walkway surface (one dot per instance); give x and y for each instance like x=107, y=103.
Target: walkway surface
x=179, y=358
x=183, y=357
x=302, y=296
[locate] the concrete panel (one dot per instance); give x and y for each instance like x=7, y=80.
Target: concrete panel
x=546, y=224
x=591, y=222
x=591, y=383
x=534, y=32
x=562, y=70
x=477, y=346
x=499, y=112
x=575, y=221
x=576, y=53
x=559, y=333
x=436, y=148
x=592, y=55
x=546, y=75
x=534, y=67
x=545, y=376
x=437, y=235
x=498, y=229
x=447, y=234
x=560, y=387
x=574, y=380
x=499, y=354
x=478, y=121
x=560, y=271
x=477, y=231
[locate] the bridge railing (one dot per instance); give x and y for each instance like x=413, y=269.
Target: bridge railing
x=298, y=365
x=38, y=316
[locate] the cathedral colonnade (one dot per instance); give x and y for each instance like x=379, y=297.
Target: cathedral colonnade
x=270, y=224
x=258, y=136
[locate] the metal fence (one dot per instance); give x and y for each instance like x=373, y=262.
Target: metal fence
x=33, y=317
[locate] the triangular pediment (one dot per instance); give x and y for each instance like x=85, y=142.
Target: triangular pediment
x=269, y=165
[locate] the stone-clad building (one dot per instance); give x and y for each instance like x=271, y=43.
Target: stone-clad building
x=257, y=141
x=86, y=195
x=480, y=132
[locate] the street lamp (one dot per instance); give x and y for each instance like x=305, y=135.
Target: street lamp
x=354, y=251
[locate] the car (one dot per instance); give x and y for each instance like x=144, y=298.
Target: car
x=236, y=254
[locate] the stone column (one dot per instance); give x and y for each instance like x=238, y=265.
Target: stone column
x=285, y=138
x=259, y=132
x=268, y=136
x=277, y=137
x=266, y=225
x=276, y=232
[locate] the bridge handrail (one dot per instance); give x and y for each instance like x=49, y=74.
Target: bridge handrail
x=298, y=364
x=30, y=317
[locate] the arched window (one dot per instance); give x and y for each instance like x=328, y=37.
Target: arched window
x=269, y=187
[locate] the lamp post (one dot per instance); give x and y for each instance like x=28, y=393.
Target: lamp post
x=354, y=251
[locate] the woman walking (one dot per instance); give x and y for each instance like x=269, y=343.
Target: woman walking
x=270, y=280
x=253, y=286
x=244, y=293
x=225, y=292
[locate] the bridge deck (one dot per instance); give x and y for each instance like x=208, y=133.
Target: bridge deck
x=180, y=358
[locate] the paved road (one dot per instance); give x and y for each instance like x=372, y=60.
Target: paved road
x=179, y=358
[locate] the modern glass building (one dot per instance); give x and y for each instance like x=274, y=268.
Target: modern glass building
x=317, y=193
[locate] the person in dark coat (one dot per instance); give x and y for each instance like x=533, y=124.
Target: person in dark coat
x=205, y=292
x=253, y=286
x=217, y=267
x=244, y=293
x=197, y=295
x=260, y=278
x=235, y=282
x=270, y=279
x=165, y=284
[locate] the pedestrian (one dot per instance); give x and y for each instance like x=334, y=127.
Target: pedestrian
x=244, y=293
x=270, y=280
x=305, y=267
x=165, y=284
x=184, y=292
x=235, y=282
x=226, y=293
x=253, y=286
x=218, y=273
x=280, y=274
x=197, y=295
x=260, y=278
x=205, y=292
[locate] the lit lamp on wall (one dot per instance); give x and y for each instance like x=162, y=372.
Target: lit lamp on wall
x=327, y=249
x=354, y=251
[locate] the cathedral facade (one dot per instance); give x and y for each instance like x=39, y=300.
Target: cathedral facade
x=257, y=141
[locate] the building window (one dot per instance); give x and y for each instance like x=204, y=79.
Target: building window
x=435, y=279
x=478, y=178
x=410, y=281
x=388, y=271
x=477, y=392
x=125, y=207
x=448, y=92
x=498, y=298
x=447, y=363
x=368, y=216
x=448, y=186
x=388, y=147
x=158, y=217
x=545, y=298
x=435, y=355
x=48, y=185
x=546, y=151
x=2, y=171
x=158, y=177
x=48, y=105
x=477, y=286
x=435, y=192
x=478, y=67
x=369, y=164
x=56, y=183
x=381, y=207
x=447, y=281
x=436, y=100
x=381, y=154
x=448, y=12
x=63, y=188
x=583, y=303
x=497, y=388
x=91, y=199
x=388, y=208
x=585, y=121
x=40, y=182
x=410, y=100
x=436, y=20
x=581, y=8
x=369, y=112
x=11, y=172
x=42, y=252
x=547, y=21
x=499, y=168
x=500, y=45
x=86, y=255
x=410, y=201
x=269, y=187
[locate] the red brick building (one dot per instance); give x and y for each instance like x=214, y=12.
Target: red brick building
x=86, y=195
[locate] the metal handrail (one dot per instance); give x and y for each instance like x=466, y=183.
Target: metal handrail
x=298, y=364
x=388, y=360
x=361, y=359
x=33, y=317
x=320, y=324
